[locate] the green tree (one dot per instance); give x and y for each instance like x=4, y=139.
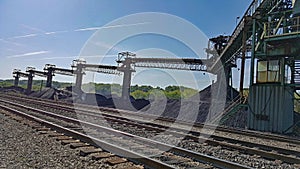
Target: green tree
x=138, y=94
x=175, y=94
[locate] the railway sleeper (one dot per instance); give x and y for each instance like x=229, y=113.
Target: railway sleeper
x=115, y=160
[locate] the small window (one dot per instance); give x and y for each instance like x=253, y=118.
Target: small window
x=268, y=71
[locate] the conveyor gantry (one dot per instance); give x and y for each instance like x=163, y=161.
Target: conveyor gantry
x=31, y=73
x=129, y=61
x=17, y=74
x=170, y=63
x=51, y=70
x=241, y=41
x=270, y=32
x=256, y=10
x=81, y=66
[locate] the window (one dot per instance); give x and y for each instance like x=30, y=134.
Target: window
x=268, y=71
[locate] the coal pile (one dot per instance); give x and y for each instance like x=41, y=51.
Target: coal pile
x=46, y=93
x=13, y=89
x=296, y=128
x=132, y=104
x=194, y=109
x=184, y=109
x=66, y=95
x=112, y=101
x=239, y=120
x=140, y=103
x=95, y=99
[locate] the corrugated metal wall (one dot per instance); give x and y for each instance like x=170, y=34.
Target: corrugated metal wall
x=271, y=108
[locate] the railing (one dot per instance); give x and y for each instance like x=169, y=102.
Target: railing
x=235, y=102
x=241, y=25
x=282, y=27
x=250, y=11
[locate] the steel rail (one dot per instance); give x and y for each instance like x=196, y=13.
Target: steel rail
x=92, y=140
x=89, y=108
x=83, y=107
x=200, y=157
x=216, y=140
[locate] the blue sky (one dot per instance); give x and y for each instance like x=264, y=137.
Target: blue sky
x=36, y=32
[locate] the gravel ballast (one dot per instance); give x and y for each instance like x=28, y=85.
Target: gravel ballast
x=22, y=147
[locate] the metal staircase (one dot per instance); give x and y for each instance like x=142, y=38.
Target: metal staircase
x=269, y=30
x=230, y=111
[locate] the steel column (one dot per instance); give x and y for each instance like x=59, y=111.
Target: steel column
x=282, y=71
x=79, y=75
x=17, y=77
x=243, y=62
x=29, y=82
x=49, y=77
x=126, y=79
x=253, y=52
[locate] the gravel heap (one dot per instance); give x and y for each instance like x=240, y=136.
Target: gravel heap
x=22, y=147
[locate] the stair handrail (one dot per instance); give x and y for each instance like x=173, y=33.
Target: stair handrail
x=236, y=101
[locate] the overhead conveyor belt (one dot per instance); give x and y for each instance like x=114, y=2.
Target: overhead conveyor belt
x=81, y=67
x=17, y=74
x=51, y=70
x=257, y=9
x=171, y=63
x=128, y=62
x=107, y=69
x=33, y=71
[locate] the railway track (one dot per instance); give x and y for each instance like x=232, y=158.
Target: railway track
x=139, y=116
x=244, y=147
x=172, y=157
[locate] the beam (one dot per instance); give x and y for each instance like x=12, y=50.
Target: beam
x=242, y=75
x=256, y=9
x=253, y=53
x=169, y=60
